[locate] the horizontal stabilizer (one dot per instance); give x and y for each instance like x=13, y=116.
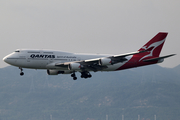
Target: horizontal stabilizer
x=158, y=58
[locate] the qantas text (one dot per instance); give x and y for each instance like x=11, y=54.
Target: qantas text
x=42, y=56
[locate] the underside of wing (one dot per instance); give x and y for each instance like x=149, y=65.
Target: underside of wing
x=82, y=65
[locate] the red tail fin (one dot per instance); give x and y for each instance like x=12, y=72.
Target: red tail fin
x=154, y=46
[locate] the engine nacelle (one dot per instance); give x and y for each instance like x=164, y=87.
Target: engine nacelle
x=105, y=61
x=52, y=72
x=74, y=66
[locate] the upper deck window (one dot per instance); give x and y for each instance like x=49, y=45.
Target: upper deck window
x=48, y=52
x=33, y=52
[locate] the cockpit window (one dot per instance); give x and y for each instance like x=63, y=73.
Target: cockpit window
x=17, y=51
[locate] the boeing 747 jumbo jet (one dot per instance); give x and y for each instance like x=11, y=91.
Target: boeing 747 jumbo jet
x=57, y=62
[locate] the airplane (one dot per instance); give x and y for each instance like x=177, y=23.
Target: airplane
x=58, y=62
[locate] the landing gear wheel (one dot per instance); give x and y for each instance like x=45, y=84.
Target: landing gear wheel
x=21, y=73
x=89, y=76
x=74, y=78
x=73, y=75
x=85, y=74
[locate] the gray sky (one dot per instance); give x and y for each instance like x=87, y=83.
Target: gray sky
x=89, y=26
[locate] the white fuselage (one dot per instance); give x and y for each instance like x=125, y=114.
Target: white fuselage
x=46, y=59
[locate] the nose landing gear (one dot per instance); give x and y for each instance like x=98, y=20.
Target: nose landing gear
x=21, y=73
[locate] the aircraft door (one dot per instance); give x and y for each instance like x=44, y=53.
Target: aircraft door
x=28, y=58
x=51, y=60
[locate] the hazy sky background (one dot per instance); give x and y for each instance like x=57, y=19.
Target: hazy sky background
x=89, y=26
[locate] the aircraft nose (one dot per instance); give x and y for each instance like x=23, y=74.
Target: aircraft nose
x=5, y=59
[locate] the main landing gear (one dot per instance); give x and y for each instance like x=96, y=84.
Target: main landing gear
x=74, y=76
x=21, y=73
x=85, y=74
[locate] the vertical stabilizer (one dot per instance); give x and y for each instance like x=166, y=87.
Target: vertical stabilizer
x=154, y=46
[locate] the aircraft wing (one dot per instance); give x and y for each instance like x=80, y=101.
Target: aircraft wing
x=97, y=63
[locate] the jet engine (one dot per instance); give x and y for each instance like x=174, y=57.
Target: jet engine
x=52, y=72
x=105, y=61
x=74, y=66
